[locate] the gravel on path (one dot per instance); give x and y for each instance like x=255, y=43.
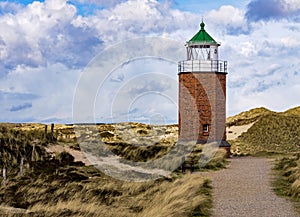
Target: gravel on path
x=243, y=189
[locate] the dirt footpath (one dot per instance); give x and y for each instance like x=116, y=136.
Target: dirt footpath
x=244, y=190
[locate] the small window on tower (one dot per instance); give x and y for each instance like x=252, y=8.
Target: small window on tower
x=205, y=128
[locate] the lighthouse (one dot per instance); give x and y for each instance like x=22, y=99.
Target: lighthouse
x=202, y=92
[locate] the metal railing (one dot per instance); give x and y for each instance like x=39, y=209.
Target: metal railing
x=202, y=66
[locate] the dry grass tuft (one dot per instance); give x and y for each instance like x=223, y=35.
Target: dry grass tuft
x=180, y=198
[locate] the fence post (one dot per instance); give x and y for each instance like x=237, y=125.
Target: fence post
x=21, y=166
x=45, y=135
x=4, y=176
x=52, y=129
x=33, y=152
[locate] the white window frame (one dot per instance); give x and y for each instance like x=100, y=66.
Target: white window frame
x=205, y=128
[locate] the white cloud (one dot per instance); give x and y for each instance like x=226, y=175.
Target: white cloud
x=291, y=5
x=148, y=88
x=10, y=7
x=135, y=18
x=290, y=41
x=278, y=98
x=263, y=66
x=42, y=33
x=104, y=3
x=49, y=90
x=44, y=45
x=228, y=17
x=248, y=49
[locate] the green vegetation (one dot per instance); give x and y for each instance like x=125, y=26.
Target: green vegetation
x=287, y=180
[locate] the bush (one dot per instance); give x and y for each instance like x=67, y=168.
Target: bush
x=65, y=158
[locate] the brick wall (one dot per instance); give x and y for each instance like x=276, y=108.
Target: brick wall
x=202, y=100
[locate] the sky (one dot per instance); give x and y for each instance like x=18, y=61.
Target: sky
x=47, y=48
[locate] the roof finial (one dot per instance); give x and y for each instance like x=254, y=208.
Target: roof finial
x=202, y=24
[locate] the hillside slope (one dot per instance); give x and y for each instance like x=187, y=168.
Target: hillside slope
x=293, y=111
x=248, y=117
x=271, y=132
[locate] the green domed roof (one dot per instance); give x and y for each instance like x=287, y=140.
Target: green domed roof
x=202, y=37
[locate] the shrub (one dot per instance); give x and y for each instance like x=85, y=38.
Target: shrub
x=65, y=158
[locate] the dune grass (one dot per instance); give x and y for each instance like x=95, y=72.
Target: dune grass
x=84, y=191
x=271, y=134
x=188, y=196
x=15, y=144
x=287, y=178
x=293, y=111
x=248, y=117
x=58, y=186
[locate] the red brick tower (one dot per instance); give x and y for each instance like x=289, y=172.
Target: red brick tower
x=202, y=92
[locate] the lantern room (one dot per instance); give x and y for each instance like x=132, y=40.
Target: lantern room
x=202, y=54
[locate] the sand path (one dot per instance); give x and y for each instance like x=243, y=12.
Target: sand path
x=243, y=189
